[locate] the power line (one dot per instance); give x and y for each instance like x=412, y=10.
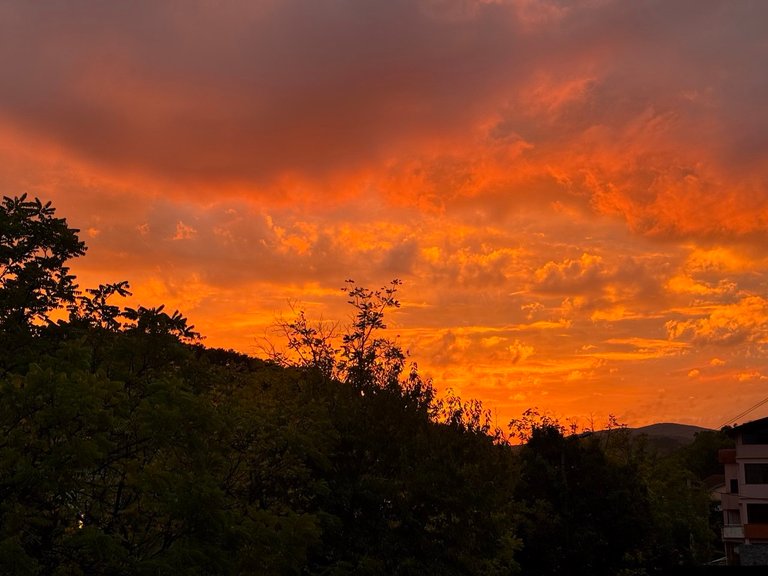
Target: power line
x=747, y=411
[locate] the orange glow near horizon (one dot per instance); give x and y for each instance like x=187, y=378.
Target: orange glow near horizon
x=575, y=197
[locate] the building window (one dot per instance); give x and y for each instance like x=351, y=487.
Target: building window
x=757, y=513
x=734, y=485
x=732, y=517
x=756, y=473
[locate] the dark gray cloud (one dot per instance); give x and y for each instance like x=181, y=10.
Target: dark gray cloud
x=642, y=97
x=245, y=90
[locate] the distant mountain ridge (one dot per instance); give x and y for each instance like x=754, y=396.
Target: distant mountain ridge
x=668, y=436
x=664, y=436
x=682, y=432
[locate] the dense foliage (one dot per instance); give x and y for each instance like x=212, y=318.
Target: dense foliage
x=127, y=447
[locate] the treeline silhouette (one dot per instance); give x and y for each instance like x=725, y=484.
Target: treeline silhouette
x=128, y=447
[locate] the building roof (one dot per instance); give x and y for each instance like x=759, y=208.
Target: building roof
x=749, y=426
x=714, y=481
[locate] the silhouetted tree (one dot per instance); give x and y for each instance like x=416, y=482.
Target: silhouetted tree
x=583, y=513
x=34, y=249
x=93, y=309
x=311, y=345
x=369, y=360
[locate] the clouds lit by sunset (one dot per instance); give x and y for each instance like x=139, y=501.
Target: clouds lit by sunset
x=574, y=194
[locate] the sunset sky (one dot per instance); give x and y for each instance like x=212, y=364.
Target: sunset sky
x=574, y=193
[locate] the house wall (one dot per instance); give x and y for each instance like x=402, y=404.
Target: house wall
x=754, y=493
x=749, y=451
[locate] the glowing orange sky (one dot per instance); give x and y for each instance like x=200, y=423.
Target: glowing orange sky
x=573, y=193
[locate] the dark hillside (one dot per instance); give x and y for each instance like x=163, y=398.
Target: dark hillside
x=666, y=436
x=681, y=432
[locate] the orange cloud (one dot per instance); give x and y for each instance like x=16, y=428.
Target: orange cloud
x=520, y=352
x=570, y=275
x=184, y=231
x=745, y=320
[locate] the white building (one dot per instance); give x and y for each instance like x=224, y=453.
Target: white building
x=745, y=495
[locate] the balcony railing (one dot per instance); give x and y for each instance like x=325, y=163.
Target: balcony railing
x=733, y=532
x=756, y=531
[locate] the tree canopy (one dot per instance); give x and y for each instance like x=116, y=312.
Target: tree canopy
x=34, y=249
